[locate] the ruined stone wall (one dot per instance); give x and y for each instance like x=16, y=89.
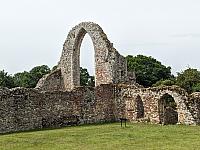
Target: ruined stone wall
x=110, y=66
x=26, y=109
x=193, y=104
x=119, y=68
x=108, y=62
x=51, y=82
x=127, y=96
x=20, y=109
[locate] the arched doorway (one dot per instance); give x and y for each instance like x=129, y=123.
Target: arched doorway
x=139, y=107
x=167, y=109
x=134, y=108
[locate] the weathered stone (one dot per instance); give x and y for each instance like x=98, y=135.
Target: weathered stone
x=58, y=100
x=25, y=109
x=110, y=66
x=150, y=98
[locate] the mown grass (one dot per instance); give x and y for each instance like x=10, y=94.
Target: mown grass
x=106, y=137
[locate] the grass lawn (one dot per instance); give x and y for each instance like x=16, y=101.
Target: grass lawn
x=106, y=136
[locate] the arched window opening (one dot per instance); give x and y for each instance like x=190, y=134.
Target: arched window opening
x=87, y=62
x=134, y=108
x=167, y=110
x=139, y=107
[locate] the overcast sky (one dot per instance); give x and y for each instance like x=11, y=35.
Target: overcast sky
x=32, y=32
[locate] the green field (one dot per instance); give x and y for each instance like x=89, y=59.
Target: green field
x=106, y=136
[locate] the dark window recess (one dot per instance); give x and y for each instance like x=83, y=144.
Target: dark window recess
x=122, y=73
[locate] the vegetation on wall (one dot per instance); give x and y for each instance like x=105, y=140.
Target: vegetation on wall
x=188, y=79
x=167, y=82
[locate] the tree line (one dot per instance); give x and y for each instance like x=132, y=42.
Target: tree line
x=26, y=79
x=29, y=79
x=149, y=72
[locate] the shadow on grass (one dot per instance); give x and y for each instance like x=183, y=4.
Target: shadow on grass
x=55, y=128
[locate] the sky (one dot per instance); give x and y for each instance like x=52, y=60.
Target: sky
x=32, y=32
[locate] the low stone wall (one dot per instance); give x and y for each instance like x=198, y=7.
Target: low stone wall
x=193, y=104
x=25, y=109
x=188, y=106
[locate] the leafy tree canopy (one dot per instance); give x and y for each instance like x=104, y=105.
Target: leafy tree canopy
x=6, y=80
x=31, y=78
x=147, y=69
x=85, y=78
x=37, y=73
x=22, y=79
x=189, y=79
x=167, y=82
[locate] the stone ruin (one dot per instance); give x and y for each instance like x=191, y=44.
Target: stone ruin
x=110, y=66
x=59, y=100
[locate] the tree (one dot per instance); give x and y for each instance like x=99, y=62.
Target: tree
x=31, y=78
x=189, y=80
x=91, y=81
x=6, y=80
x=147, y=69
x=54, y=68
x=22, y=79
x=37, y=73
x=167, y=82
x=196, y=88
x=85, y=78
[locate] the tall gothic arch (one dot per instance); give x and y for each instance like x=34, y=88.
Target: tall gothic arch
x=110, y=66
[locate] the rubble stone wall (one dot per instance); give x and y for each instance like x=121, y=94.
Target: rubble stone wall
x=193, y=104
x=188, y=112
x=51, y=82
x=25, y=109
